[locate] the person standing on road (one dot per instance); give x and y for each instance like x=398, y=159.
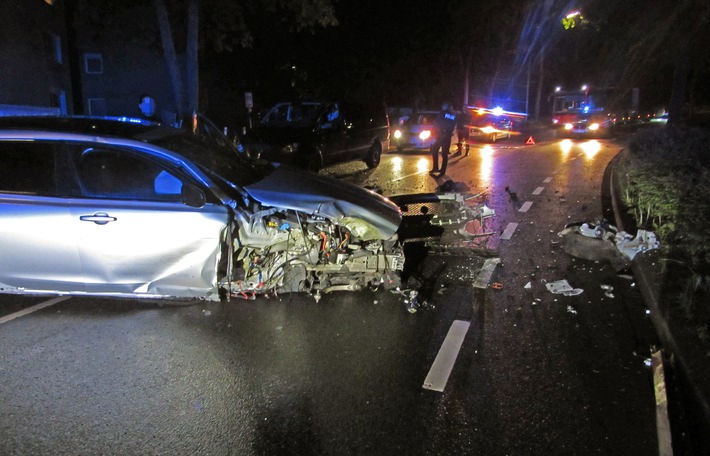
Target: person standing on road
x=462, y=133
x=147, y=107
x=444, y=126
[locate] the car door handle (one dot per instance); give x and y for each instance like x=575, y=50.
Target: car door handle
x=100, y=218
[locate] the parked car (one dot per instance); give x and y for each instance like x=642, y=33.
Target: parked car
x=489, y=127
x=313, y=134
x=127, y=208
x=415, y=131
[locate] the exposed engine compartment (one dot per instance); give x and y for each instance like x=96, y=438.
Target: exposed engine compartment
x=281, y=251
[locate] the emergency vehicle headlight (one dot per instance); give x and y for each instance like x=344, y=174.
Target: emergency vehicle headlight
x=488, y=129
x=397, y=134
x=594, y=127
x=425, y=134
x=568, y=126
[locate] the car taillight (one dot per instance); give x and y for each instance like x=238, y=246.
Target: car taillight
x=488, y=129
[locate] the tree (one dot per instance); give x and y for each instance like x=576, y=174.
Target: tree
x=231, y=29
x=175, y=27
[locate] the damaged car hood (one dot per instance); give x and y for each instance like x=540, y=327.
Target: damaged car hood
x=320, y=195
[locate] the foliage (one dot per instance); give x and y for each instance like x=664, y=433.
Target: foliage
x=666, y=185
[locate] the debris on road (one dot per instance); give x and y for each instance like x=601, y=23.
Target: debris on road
x=563, y=287
x=601, y=241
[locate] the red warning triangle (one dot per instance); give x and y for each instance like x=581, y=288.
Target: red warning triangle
x=530, y=141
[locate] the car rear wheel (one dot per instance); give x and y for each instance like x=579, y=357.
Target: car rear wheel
x=373, y=156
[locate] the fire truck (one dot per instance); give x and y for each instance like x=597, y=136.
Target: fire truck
x=581, y=113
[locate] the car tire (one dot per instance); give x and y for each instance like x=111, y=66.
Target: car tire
x=373, y=156
x=314, y=163
x=493, y=137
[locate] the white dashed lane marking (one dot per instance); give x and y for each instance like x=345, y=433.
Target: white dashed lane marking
x=538, y=190
x=444, y=363
x=509, y=230
x=484, y=276
x=526, y=206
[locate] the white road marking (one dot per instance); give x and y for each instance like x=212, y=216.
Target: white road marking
x=509, y=230
x=663, y=427
x=484, y=276
x=525, y=207
x=538, y=190
x=547, y=181
x=444, y=363
x=34, y=308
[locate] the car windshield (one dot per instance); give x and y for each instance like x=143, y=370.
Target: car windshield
x=300, y=114
x=426, y=119
x=214, y=160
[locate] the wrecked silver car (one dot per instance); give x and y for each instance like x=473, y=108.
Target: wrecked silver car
x=118, y=207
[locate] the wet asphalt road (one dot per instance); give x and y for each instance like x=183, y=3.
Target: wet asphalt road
x=537, y=374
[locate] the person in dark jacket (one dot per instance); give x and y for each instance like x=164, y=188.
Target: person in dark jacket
x=444, y=126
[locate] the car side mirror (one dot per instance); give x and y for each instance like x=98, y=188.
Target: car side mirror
x=193, y=196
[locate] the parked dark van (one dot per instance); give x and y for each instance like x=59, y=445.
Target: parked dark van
x=313, y=134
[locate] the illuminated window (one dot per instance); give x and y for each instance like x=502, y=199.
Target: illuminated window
x=93, y=63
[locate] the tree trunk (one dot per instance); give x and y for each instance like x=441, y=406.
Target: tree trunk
x=171, y=61
x=192, y=64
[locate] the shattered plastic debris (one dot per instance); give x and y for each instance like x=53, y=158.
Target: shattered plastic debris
x=528, y=286
x=563, y=287
x=608, y=289
x=571, y=310
x=625, y=243
x=410, y=299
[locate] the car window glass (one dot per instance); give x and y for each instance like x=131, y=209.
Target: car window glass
x=27, y=167
x=110, y=173
x=300, y=114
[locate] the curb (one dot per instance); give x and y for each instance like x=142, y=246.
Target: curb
x=643, y=273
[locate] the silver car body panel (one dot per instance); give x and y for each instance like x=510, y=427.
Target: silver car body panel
x=110, y=247
x=106, y=247
x=313, y=194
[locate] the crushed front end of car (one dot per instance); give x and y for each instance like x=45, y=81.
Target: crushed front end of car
x=311, y=234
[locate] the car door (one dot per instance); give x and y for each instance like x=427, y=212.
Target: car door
x=359, y=131
x=136, y=235
x=38, y=242
x=333, y=135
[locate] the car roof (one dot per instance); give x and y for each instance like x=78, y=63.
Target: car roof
x=121, y=127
